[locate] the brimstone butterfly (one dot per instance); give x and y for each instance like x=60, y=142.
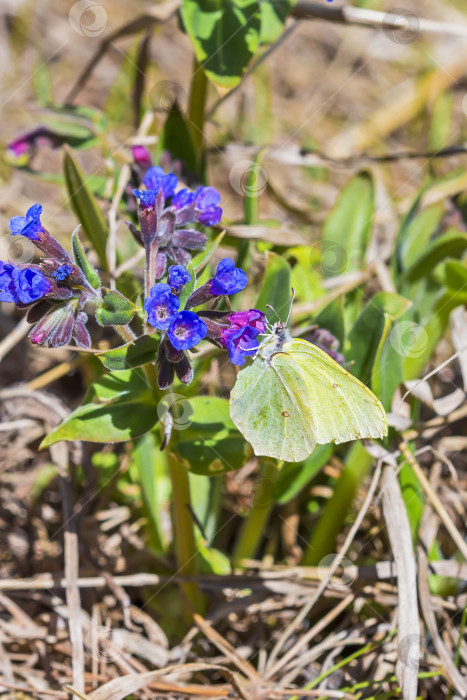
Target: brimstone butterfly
x=294, y=396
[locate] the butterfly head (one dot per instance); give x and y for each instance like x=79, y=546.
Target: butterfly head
x=278, y=333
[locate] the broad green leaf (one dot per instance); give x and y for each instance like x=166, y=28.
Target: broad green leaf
x=85, y=206
x=212, y=560
x=225, y=36
x=137, y=353
x=176, y=138
x=432, y=326
x=273, y=16
x=116, y=408
x=452, y=274
x=115, y=310
x=80, y=259
x=306, y=277
x=347, y=230
x=294, y=476
x=200, y=261
x=275, y=288
x=405, y=228
x=148, y=467
x=414, y=236
x=371, y=329
x=449, y=245
x=209, y=443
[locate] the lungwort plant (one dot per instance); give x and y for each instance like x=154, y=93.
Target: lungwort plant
x=223, y=343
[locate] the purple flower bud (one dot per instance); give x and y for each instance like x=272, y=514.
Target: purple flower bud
x=161, y=306
x=178, y=276
x=228, y=279
x=240, y=343
x=207, y=200
x=62, y=272
x=80, y=332
x=186, y=330
x=8, y=291
x=141, y=156
x=206, y=197
x=41, y=135
x=254, y=318
x=30, y=284
x=184, y=370
x=146, y=198
x=210, y=216
x=201, y=205
x=156, y=179
x=183, y=198
x=166, y=373
x=55, y=329
x=240, y=337
x=28, y=226
x=326, y=341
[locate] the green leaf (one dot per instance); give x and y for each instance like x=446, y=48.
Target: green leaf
x=347, y=230
x=176, y=138
x=294, y=476
x=115, y=310
x=452, y=274
x=148, y=467
x=209, y=443
x=200, y=261
x=275, y=288
x=417, y=234
x=273, y=16
x=432, y=327
x=449, y=245
x=225, y=36
x=137, y=353
x=80, y=259
x=371, y=329
x=405, y=236
x=85, y=206
x=116, y=408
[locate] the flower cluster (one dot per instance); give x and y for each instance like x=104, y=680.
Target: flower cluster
x=164, y=216
x=183, y=329
x=59, y=291
x=54, y=292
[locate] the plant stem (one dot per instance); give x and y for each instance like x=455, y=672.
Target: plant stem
x=253, y=526
x=323, y=539
x=182, y=523
x=197, y=106
x=250, y=209
x=185, y=546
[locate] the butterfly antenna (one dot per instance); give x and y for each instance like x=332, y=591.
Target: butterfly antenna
x=268, y=306
x=290, y=308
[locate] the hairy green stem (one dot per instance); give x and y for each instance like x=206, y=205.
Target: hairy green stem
x=325, y=533
x=182, y=522
x=253, y=526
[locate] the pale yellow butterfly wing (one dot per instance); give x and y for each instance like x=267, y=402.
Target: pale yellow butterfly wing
x=301, y=397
